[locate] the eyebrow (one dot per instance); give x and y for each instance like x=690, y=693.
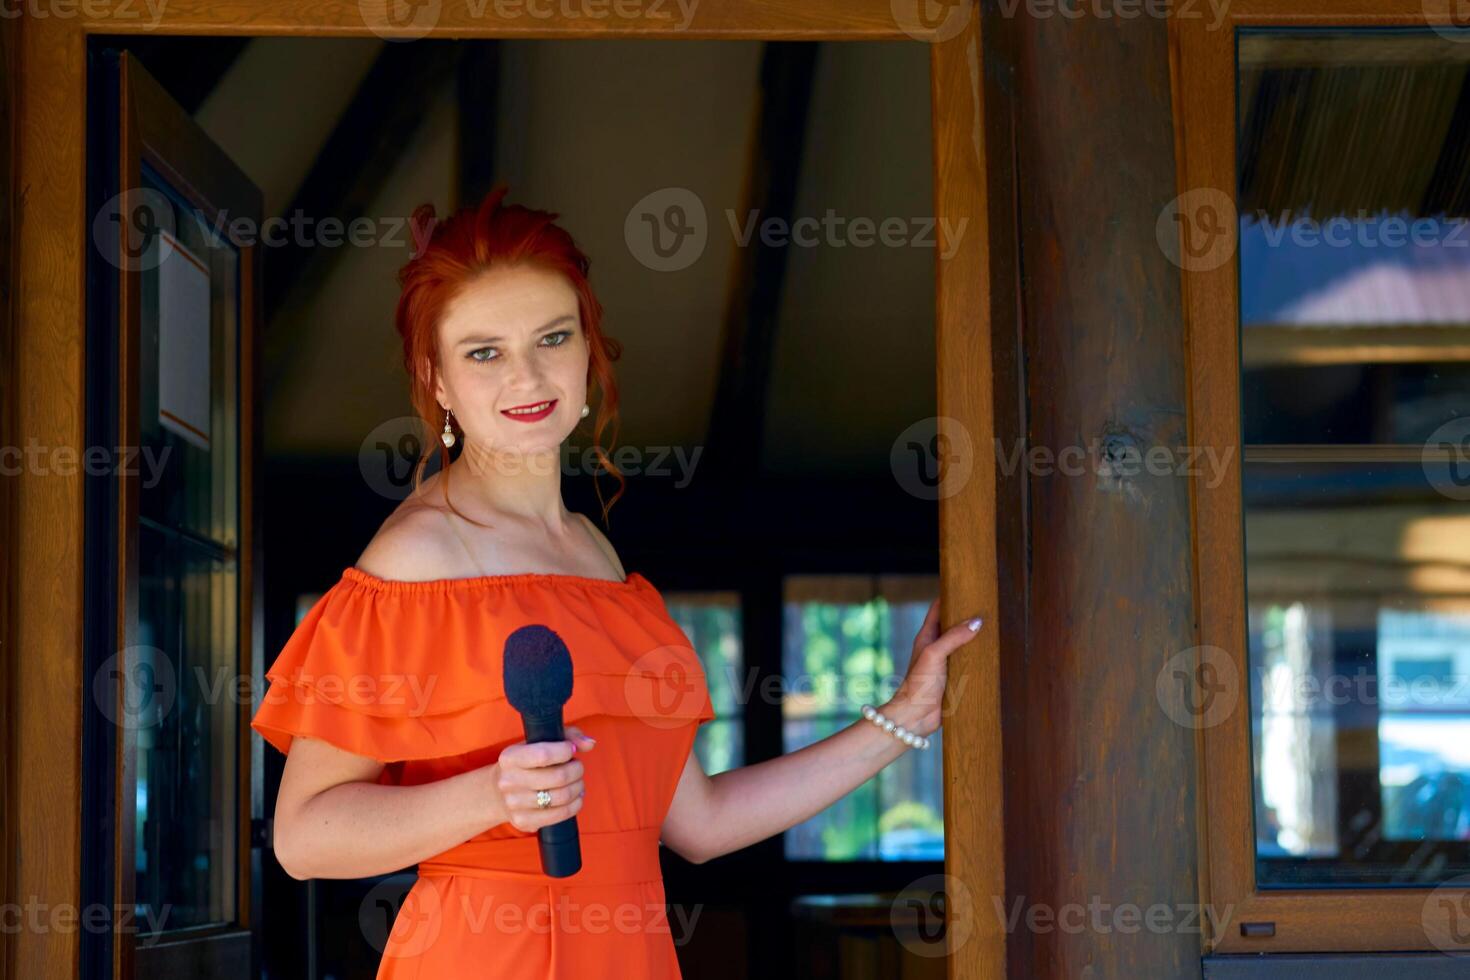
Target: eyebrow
x=564, y=318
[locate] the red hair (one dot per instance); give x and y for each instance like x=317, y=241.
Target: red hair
x=450, y=254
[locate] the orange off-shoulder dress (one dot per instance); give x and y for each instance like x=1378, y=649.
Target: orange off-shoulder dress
x=409, y=673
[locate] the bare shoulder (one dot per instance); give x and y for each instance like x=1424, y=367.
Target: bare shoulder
x=415, y=543
x=604, y=544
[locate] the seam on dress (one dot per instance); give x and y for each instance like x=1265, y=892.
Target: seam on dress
x=553, y=970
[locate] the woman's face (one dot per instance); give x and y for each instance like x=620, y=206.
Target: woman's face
x=513, y=360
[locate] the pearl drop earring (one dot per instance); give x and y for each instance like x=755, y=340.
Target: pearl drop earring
x=586, y=409
x=447, y=436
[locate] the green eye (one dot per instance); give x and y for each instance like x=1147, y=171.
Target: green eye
x=483, y=354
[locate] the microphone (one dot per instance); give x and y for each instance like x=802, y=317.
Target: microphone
x=538, y=682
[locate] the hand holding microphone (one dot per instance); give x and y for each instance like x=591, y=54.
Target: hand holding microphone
x=538, y=683
x=553, y=766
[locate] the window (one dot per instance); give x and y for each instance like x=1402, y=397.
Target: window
x=846, y=641
x=712, y=622
x=1329, y=345
x=304, y=602
x=1354, y=325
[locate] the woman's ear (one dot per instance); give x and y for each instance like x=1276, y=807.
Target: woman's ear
x=433, y=379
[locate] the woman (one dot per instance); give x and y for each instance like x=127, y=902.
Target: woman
x=389, y=700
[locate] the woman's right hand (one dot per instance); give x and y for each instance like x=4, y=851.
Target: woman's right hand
x=523, y=768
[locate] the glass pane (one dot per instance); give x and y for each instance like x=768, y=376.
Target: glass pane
x=848, y=829
x=1358, y=601
x=847, y=641
x=304, y=603
x=713, y=624
x=1354, y=255
x=187, y=793
x=187, y=832
x=189, y=384
x=1355, y=401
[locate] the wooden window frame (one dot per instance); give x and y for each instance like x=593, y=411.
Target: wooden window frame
x=1304, y=920
x=975, y=283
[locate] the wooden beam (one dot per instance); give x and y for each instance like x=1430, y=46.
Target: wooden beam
x=811, y=20
x=773, y=174
x=1100, y=781
x=356, y=160
x=478, y=114
x=47, y=500
x=9, y=41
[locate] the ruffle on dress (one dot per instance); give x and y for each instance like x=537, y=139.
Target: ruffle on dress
x=398, y=670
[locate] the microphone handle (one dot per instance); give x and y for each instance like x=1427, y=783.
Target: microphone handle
x=561, y=849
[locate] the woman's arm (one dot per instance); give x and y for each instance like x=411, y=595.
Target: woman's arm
x=714, y=815
x=333, y=821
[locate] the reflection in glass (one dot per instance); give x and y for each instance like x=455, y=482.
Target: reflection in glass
x=1355, y=399
x=187, y=829
x=847, y=641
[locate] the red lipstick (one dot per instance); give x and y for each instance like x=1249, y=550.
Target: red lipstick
x=531, y=411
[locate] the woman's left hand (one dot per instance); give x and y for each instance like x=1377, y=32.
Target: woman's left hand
x=918, y=704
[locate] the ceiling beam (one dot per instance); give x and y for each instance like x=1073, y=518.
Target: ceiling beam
x=772, y=177
x=478, y=110
x=355, y=162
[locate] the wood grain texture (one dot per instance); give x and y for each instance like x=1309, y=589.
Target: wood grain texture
x=1100, y=781
x=49, y=686
x=9, y=40
x=981, y=530
x=810, y=20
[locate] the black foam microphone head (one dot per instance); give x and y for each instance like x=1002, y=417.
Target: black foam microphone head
x=538, y=671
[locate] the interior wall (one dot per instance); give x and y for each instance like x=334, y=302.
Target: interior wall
x=854, y=357
x=588, y=129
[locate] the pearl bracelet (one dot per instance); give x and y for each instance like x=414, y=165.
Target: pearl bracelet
x=899, y=732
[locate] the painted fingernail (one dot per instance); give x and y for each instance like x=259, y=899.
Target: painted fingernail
x=974, y=624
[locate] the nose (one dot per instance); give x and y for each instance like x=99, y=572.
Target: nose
x=524, y=375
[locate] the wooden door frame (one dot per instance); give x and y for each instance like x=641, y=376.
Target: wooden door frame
x=9, y=54
x=975, y=286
